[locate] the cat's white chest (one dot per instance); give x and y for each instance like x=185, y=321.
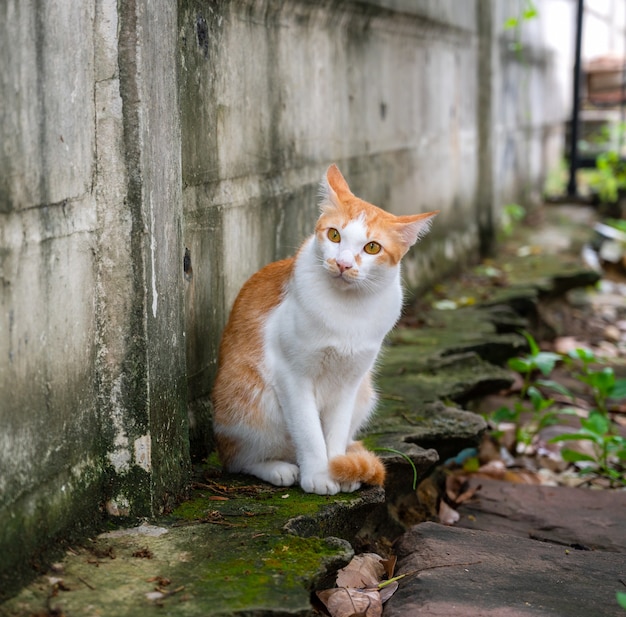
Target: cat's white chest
x=319, y=330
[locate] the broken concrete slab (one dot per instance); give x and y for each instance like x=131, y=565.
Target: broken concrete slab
x=453, y=571
x=237, y=547
x=431, y=426
x=457, y=377
x=573, y=517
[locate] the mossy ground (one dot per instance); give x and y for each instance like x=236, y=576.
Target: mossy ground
x=220, y=555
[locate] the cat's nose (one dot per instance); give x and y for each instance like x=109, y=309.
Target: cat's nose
x=345, y=261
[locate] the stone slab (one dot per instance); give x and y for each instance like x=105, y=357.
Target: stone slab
x=237, y=547
x=476, y=573
x=574, y=517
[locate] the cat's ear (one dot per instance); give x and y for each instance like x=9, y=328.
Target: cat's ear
x=333, y=189
x=414, y=227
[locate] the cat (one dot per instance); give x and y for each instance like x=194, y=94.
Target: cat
x=294, y=383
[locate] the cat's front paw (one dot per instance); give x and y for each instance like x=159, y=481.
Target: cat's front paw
x=284, y=474
x=320, y=483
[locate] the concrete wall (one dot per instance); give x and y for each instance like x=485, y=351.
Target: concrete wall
x=423, y=105
x=155, y=154
x=92, y=349
x=273, y=92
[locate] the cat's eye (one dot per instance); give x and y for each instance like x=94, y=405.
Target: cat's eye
x=372, y=248
x=334, y=235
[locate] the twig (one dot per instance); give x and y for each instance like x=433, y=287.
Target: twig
x=216, y=488
x=84, y=582
x=442, y=565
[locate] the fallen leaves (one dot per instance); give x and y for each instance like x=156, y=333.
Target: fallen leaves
x=161, y=590
x=363, y=586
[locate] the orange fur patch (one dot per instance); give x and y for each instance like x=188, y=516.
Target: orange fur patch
x=239, y=381
x=358, y=465
x=227, y=449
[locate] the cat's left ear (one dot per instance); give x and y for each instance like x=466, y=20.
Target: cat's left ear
x=414, y=227
x=333, y=189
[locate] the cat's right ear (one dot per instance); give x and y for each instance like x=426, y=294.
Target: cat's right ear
x=333, y=189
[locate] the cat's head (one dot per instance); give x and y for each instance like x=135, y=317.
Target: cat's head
x=361, y=245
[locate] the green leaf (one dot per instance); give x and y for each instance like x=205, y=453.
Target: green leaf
x=530, y=13
x=596, y=423
x=521, y=365
x=546, y=360
x=505, y=414
x=603, y=381
x=619, y=389
x=548, y=419
x=471, y=464
x=532, y=343
x=606, y=380
x=536, y=398
x=621, y=598
x=556, y=386
x=511, y=23
x=572, y=456
x=581, y=353
x=581, y=436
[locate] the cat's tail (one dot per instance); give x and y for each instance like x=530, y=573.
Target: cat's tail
x=357, y=465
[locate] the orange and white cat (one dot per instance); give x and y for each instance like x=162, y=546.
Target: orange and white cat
x=294, y=381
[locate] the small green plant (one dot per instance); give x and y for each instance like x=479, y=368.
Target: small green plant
x=609, y=177
x=536, y=360
x=542, y=414
x=511, y=214
x=528, y=12
x=602, y=381
x=621, y=599
x=609, y=449
x=608, y=453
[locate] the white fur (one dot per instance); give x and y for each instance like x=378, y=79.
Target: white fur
x=320, y=344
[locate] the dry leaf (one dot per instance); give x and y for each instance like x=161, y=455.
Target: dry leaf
x=389, y=565
x=467, y=495
x=365, y=570
x=343, y=602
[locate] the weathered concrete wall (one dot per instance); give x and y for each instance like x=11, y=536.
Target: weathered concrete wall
x=92, y=364
x=272, y=92
x=531, y=96
x=154, y=155
x=423, y=105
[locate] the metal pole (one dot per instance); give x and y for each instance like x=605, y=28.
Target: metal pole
x=572, y=189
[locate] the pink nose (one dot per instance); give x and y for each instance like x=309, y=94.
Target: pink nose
x=344, y=261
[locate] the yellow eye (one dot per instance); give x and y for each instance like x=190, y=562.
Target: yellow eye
x=371, y=248
x=334, y=235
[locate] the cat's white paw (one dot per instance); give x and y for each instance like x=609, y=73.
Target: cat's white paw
x=285, y=474
x=279, y=473
x=320, y=483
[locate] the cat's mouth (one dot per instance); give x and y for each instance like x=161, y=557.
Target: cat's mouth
x=346, y=277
